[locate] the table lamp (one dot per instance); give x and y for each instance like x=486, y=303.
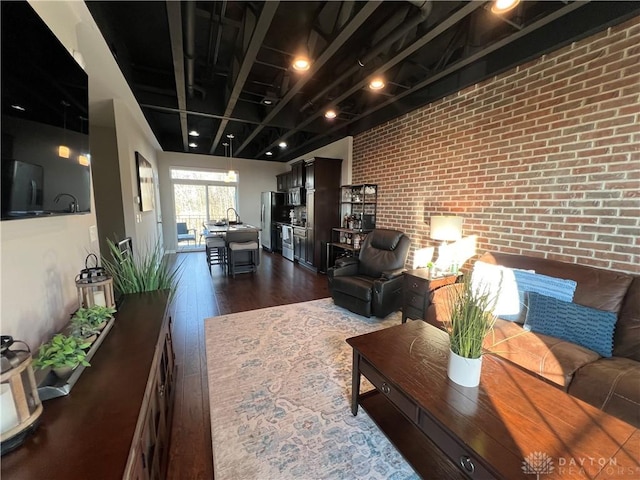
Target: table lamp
x=446, y=228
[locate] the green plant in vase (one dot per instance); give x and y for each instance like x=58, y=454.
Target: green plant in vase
x=82, y=328
x=469, y=321
x=99, y=315
x=150, y=270
x=63, y=354
x=95, y=316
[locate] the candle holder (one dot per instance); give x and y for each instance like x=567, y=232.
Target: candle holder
x=95, y=292
x=95, y=286
x=20, y=405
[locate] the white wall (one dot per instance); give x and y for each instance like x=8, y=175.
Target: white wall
x=40, y=257
x=343, y=149
x=254, y=177
x=140, y=226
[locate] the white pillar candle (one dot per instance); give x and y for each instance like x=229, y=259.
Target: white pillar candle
x=8, y=413
x=98, y=298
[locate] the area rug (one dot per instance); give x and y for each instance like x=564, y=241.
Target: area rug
x=280, y=390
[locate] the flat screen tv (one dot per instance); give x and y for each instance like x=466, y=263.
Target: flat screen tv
x=45, y=128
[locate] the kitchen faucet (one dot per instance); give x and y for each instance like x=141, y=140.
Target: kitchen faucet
x=73, y=206
x=236, y=213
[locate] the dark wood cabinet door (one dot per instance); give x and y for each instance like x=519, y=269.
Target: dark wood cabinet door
x=310, y=168
x=310, y=247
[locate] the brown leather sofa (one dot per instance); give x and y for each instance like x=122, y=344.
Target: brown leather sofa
x=611, y=384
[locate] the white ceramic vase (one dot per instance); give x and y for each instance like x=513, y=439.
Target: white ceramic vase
x=464, y=371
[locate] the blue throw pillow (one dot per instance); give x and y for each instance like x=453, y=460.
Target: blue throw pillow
x=558, y=288
x=591, y=328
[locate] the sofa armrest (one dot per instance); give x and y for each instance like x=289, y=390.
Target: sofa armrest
x=348, y=269
x=345, y=261
x=390, y=274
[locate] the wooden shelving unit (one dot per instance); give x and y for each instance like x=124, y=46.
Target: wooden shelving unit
x=358, y=208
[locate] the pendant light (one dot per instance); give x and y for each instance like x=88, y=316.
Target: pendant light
x=231, y=174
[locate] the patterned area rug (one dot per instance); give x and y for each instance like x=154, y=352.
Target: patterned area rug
x=280, y=389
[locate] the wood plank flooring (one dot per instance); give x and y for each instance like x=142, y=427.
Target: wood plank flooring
x=200, y=295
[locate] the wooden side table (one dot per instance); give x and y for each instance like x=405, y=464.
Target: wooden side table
x=416, y=291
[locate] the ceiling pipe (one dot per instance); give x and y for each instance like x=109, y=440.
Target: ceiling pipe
x=189, y=44
x=425, y=7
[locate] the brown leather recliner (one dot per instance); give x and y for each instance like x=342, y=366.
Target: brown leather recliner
x=372, y=283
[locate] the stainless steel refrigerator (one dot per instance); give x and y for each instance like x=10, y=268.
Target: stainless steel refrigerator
x=272, y=210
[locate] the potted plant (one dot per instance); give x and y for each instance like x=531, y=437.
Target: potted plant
x=95, y=316
x=469, y=321
x=82, y=328
x=63, y=353
x=150, y=270
x=99, y=315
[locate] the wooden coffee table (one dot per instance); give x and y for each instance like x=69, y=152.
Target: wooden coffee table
x=513, y=425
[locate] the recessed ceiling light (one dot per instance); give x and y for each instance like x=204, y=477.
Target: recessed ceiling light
x=301, y=63
x=193, y=145
x=502, y=6
x=18, y=107
x=268, y=154
x=282, y=144
x=267, y=101
x=376, y=83
x=194, y=133
x=330, y=114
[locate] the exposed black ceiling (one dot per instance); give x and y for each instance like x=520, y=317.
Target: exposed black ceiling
x=209, y=66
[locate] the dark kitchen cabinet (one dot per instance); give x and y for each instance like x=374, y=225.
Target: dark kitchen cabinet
x=323, y=207
x=284, y=181
x=299, y=244
x=310, y=170
x=297, y=174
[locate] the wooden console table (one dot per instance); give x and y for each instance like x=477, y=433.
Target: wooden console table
x=116, y=421
x=448, y=431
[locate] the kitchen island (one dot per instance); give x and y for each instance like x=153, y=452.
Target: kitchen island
x=234, y=246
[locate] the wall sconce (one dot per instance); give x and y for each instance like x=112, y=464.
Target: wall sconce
x=63, y=151
x=20, y=406
x=83, y=160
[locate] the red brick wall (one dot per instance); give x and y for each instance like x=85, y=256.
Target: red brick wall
x=541, y=160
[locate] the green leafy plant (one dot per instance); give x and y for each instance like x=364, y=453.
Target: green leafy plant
x=80, y=327
x=92, y=316
x=470, y=318
x=149, y=271
x=62, y=351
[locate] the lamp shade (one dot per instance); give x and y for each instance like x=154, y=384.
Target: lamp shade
x=446, y=228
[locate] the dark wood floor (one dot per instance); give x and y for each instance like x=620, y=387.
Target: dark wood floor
x=200, y=296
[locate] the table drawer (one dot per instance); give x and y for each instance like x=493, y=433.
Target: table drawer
x=414, y=300
x=402, y=403
x=415, y=285
x=414, y=313
x=466, y=461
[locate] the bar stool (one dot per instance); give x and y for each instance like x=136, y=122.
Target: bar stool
x=216, y=251
x=243, y=257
